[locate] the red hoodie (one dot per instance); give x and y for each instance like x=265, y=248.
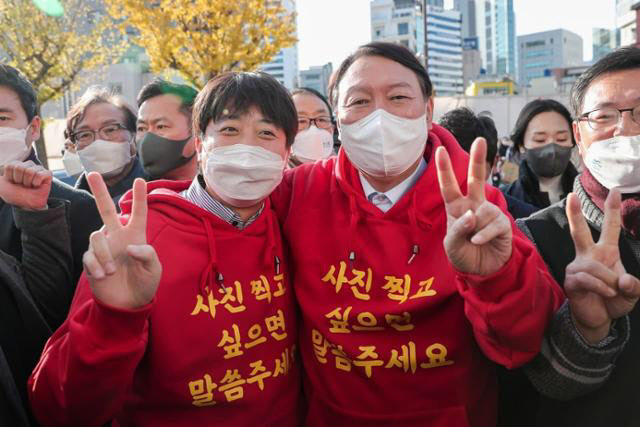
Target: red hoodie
x=391, y=334
x=194, y=355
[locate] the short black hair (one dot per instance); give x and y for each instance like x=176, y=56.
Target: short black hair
x=17, y=82
x=236, y=92
x=311, y=91
x=98, y=95
x=625, y=58
x=531, y=110
x=158, y=86
x=392, y=51
x=466, y=127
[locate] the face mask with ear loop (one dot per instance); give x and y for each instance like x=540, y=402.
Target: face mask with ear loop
x=242, y=175
x=383, y=144
x=13, y=143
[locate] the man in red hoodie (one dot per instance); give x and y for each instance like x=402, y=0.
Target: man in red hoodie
x=398, y=329
x=211, y=339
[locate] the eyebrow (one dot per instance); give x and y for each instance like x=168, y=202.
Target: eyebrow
x=6, y=110
x=400, y=84
x=611, y=104
x=237, y=117
x=106, y=122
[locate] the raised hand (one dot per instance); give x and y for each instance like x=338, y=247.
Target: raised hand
x=598, y=287
x=25, y=185
x=479, y=236
x=123, y=270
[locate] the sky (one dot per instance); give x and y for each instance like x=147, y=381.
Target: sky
x=328, y=30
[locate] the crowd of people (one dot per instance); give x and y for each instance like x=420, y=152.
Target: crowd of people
x=249, y=256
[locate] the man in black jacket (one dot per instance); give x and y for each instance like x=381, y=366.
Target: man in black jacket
x=600, y=279
x=19, y=128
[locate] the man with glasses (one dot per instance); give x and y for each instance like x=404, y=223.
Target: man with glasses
x=590, y=347
x=102, y=128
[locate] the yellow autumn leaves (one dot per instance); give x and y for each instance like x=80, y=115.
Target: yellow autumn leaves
x=197, y=38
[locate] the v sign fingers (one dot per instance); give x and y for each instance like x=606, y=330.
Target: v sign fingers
x=449, y=187
x=104, y=202
x=138, y=221
x=612, y=219
x=477, y=167
x=578, y=227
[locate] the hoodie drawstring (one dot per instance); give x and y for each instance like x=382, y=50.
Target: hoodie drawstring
x=415, y=230
x=354, y=219
x=211, y=273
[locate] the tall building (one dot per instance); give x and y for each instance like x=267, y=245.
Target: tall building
x=444, y=51
x=539, y=53
x=467, y=9
x=284, y=66
x=400, y=21
x=496, y=31
x=316, y=77
x=440, y=48
x=604, y=41
x=625, y=22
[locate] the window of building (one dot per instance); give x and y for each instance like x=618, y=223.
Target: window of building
x=403, y=28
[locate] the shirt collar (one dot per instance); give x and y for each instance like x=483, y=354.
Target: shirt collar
x=199, y=196
x=395, y=193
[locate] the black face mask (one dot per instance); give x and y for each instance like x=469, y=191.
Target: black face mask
x=160, y=155
x=548, y=161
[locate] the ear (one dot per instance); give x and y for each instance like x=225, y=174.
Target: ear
x=430, y=107
x=198, y=144
x=578, y=136
x=34, y=131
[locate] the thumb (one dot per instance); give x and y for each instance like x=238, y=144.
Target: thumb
x=460, y=229
x=144, y=254
x=629, y=287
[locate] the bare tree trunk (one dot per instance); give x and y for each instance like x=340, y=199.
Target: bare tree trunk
x=41, y=149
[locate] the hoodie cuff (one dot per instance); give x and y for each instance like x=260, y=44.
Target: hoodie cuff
x=493, y=286
x=113, y=325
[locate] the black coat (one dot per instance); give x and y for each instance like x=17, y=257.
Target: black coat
x=617, y=402
x=527, y=187
x=82, y=218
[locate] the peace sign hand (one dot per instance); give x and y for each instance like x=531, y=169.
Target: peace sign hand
x=598, y=287
x=479, y=235
x=123, y=270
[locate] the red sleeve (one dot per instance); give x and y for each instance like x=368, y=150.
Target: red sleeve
x=511, y=309
x=281, y=197
x=87, y=366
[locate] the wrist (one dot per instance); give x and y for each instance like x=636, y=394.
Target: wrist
x=592, y=335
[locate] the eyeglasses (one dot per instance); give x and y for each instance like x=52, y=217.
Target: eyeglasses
x=605, y=118
x=110, y=132
x=322, y=122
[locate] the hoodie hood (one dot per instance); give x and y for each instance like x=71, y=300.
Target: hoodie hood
x=164, y=199
x=421, y=213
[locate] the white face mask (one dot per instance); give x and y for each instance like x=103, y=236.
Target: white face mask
x=383, y=144
x=105, y=157
x=72, y=163
x=242, y=175
x=312, y=144
x=615, y=163
x=13, y=145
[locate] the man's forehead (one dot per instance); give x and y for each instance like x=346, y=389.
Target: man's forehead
x=100, y=113
x=613, y=89
x=366, y=71
x=9, y=99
